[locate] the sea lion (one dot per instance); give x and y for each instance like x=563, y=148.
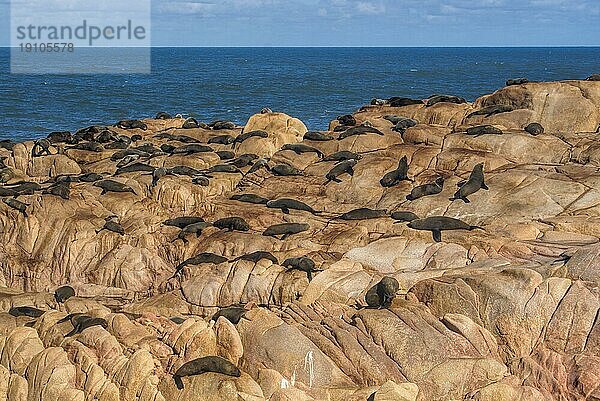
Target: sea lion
x=492, y=110
x=516, y=81
x=121, y=154
x=303, y=264
x=161, y=115
x=61, y=294
x=221, y=125
x=317, y=136
x=8, y=192
x=285, y=170
x=60, y=189
x=359, y=130
x=593, y=77
x=148, y=148
x=177, y=138
x=202, y=258
x=205, y=364
x=260, y=163
x=222, y=139
x=435, y=99
x=427, y=189
x=266, y=110
x=402, y=101
x=300, y=148
x=472, y=185
x=404, y=124
x=231, y=313
x=60, y=137
x=87, y=322
x=190, y=123
x=17, y=205
x=534, y=129
x=378, y=102
x=182, y=222
x=194, y=228
x=201, y=180
x=225, y=154
x=113, y=186
x=135, y=168
x=403, y=217
x=232, y=224
x=127, y=160
x=223, y=168
x=383, y=293
x=363, y=214
x=112, y=226
x=252, y=134
x=177, y=320
x=7, y=144
x=116, y=145
x=347, y=120
x=26, y=187
x=483, y=130
x=250, y=198
x=157, y=174
x=244, y=160
x=183, y=170
x=107, y=136
x=28, y=311
x=437, y=224
x=132, y=124
x=6, y=174
x=90, y=177
x=342, y=156
x=257, y=256
x=87, y=134
x=394, y=177
x=285, y=230
x=345, y=167
x=40, y=148
x=286, y=204
x=87, y=146
x=191, y=149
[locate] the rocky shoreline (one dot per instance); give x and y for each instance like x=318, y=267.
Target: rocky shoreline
x=158, y=224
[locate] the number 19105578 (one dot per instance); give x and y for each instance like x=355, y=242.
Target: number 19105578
x=50, y=47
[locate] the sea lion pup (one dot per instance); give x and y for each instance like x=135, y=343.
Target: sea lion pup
x=347, y=120
x=17, y=205
x=359, y=130
x=191, y=149
x=190, y=123
x=342, y=156
x=383, y=293
x=182, y=222
x=252, y=134
x=214, y=364
x=483, y=130
x=437, y=224
x=61, y=294
x=87, y=146
x=222, y=124
x=132, y=124
x=345, y=167
x=113, y=186
x=244, y=160
x=285, y=204
x=60, y=189
x=593, y=77
x=40, y=148
x=402, y=101
x=225, y=154
x=223, y=168
x=475, y=182
x=205, y=257
x=534, y=129
x=300, y=148
x=232, y=224
x=135, y=168
x=90, y=177
x=396, y=176
x=222, y=139
x=59, y=137
x=250, y=198
x=28, y=311
x=285, y=170
x=303, y=264
x=85, y=322
x=427, y=189
x=194, y=228
x=157, y=174
x=492, y=110
x=112, y=226
x=435, y=99
x=516, y=81
x=161, y=115
x=260, y=163
x=231, y=313
x=257, y=256
x=317, y=136
x=285, y=230
x=403, y=217
x=363, y=214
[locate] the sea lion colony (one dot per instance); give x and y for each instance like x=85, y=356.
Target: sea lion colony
x=191, y=245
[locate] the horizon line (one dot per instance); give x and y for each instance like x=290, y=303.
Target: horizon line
x=332, y=47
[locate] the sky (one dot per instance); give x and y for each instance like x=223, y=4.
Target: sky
x=365, y=22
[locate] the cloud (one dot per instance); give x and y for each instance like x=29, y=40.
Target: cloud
x=367, y=7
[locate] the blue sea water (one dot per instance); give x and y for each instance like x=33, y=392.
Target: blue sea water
x=313, y=84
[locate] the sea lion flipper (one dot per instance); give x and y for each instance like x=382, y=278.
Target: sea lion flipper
x=460, y=184
x=437, y=235
x=350, y=171
x=484, y=187
x=465, y=199
x=309, y=275
x=178, y=382
x=285, y=210
x=284, y=237
x=336, y=180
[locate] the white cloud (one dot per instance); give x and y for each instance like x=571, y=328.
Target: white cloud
x=367, y=7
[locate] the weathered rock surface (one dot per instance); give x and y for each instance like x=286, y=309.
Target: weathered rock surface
x=506, y=311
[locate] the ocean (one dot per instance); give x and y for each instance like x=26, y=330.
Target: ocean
x=313, y=84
